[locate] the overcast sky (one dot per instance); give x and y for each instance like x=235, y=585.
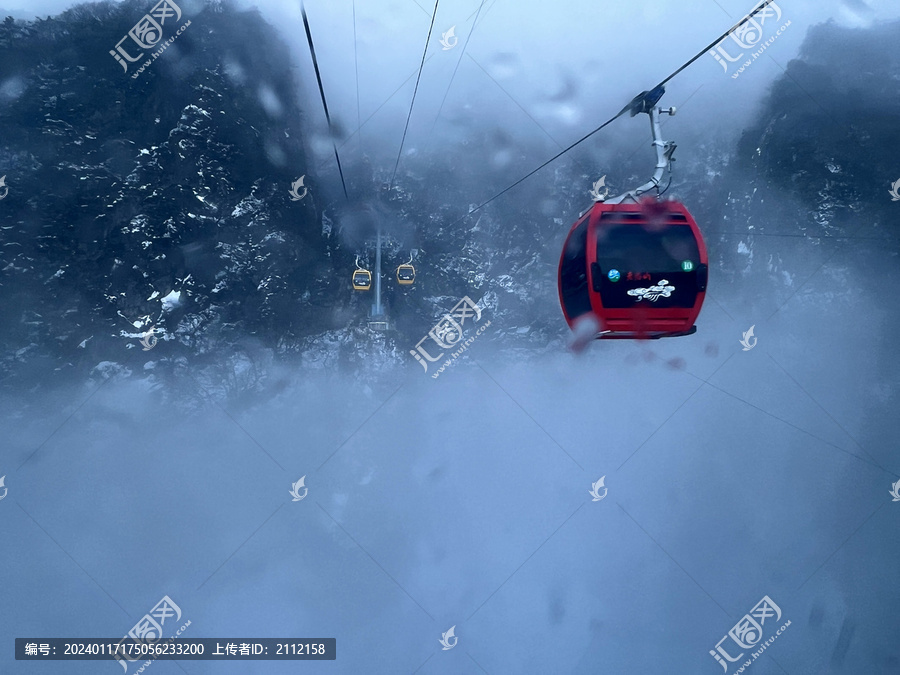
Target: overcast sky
x=568, y=65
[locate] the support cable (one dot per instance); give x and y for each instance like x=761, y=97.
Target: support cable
x=415, y=91
x=312, y=51
x=636, y=105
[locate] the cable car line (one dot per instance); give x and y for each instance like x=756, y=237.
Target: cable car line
x=549, y=161
x=415, y=91
x=615, y=250
x=458, y=61
x=479, y=9
x=640, y=99
x=356, y=67
x=386, y=101
x=312, y=51
x=712, y=44
x=528, y=114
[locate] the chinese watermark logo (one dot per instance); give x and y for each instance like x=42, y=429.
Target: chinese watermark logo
x=595, y=490
x=748, y=632
x=745, y=340
x=147, y=33
x=4, y=189
x=6, y=489
x=449, y=39
x=894, y=191
x=748, y=35
x=149, y=340
x=595, y=191
x=895, y=492
x=295, y=490
x=149, y=629
x=448, y=639
x=296, y=185
x=448, y=332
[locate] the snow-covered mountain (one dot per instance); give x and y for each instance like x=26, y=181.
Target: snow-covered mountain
x=163, y=201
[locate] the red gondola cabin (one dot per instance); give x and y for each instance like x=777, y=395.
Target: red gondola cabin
x=640, y=269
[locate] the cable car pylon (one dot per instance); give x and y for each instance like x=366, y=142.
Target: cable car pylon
x=378, y=319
